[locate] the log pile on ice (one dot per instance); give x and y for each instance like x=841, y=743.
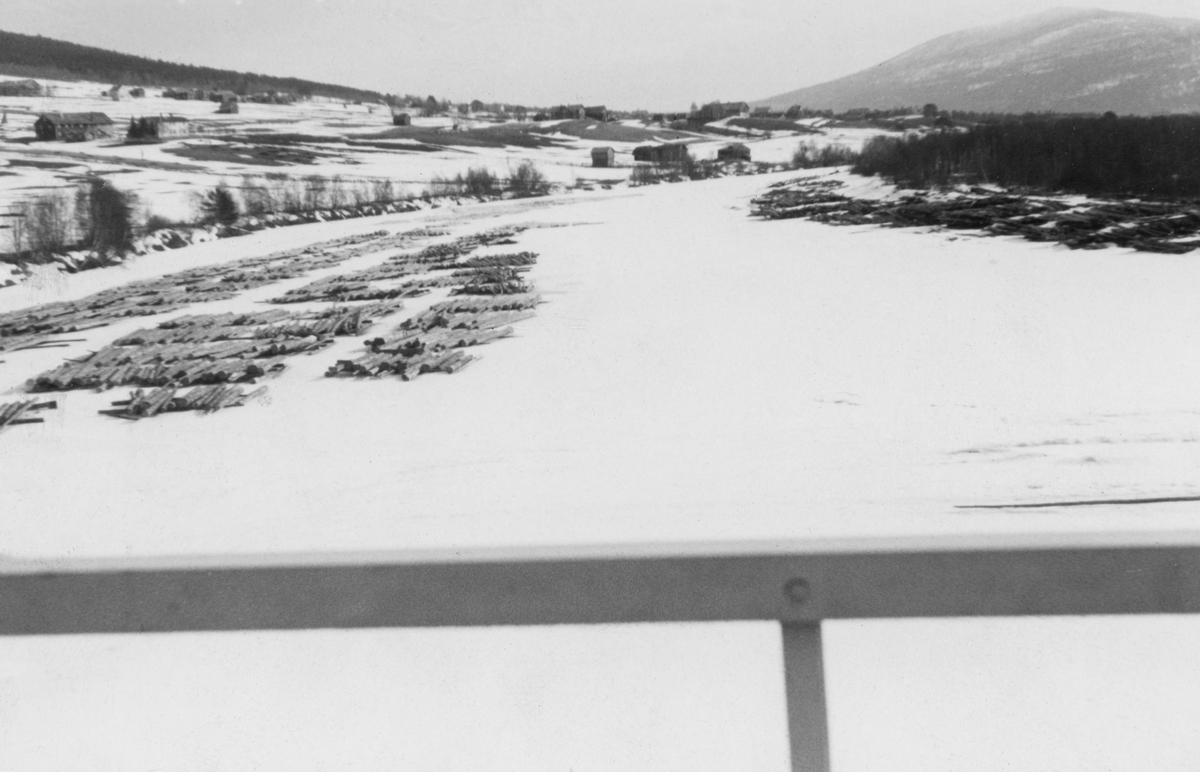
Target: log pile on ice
x=1171, y=227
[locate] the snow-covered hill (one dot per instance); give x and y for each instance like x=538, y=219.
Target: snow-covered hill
x=1066, y=59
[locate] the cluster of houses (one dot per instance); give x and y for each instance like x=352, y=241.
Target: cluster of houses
x=668, y=154
x=224, y=95
x=119, y=92
x=579, y=113
x=80, y=127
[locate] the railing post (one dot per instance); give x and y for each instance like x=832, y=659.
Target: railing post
x=804, y=674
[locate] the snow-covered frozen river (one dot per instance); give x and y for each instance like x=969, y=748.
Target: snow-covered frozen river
x=695, y=375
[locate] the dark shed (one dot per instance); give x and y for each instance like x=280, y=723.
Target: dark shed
x=603, y=156
x=73, y=127
x=671, y=153
x=735, y=151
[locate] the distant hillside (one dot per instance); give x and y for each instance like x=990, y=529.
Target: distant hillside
x=1065, y=60
x=35, y=56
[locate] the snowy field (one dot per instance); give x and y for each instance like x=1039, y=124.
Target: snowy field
x=694, y=375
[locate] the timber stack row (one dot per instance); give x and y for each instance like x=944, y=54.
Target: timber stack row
x=37, y=325
x=224, y=348
x=433, y=341
x=1142, y=225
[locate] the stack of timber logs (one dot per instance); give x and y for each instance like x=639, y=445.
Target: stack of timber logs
x=214, y=349
x=34, y=326
x=433, y=341
x=17, y=413
x=166, y=399
x=1169, y=227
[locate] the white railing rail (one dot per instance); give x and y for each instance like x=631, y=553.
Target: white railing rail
x=796, y=586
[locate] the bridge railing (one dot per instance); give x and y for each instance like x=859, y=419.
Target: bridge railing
x=796, y=586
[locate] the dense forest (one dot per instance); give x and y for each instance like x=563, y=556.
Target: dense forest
x=1158, y=157
x=39, y=57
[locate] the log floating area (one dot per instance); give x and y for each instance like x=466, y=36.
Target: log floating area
x=1148, y=226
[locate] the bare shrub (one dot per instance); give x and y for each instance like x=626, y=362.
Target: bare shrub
x=337, y=192
x=809, y=156
x=289, y=192
x=258, y=198
x=383, y=191
x=480, y=182
x=446, y=186
x=527, y=180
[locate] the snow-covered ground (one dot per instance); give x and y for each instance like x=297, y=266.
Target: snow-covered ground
x=693, y=375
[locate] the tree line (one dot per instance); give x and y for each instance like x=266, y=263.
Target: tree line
x=34, y=56
x=1104, y=155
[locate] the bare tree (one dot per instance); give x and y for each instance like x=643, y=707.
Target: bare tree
x=337, y=192
x=47, y=224
x=314, y=192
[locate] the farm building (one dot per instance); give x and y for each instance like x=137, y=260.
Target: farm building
x=20, y=88
x=229, y=106
x=158, y=127
x=661, y=155
x=713, y=111
x=476, y=106
x=735, y=151
x=568, y=112
x=181, y=94
x=137, y=92
x=596, y=113
x=73, y=127
x=603, y=156
x=401, y=119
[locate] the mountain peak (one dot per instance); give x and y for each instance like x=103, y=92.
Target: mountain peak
x=1061, y=59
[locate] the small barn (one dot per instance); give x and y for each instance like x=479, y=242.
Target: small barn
x=137, y=92
x=568, y=112
x=73, y=127
x=603, y=157
x=661, y=155
x=20, y=88
x=401, y=119
x=735, y=151
x=158, y=127
x=229, y=106
x=596, y=113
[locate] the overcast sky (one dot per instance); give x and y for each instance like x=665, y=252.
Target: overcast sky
x=625, y=53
